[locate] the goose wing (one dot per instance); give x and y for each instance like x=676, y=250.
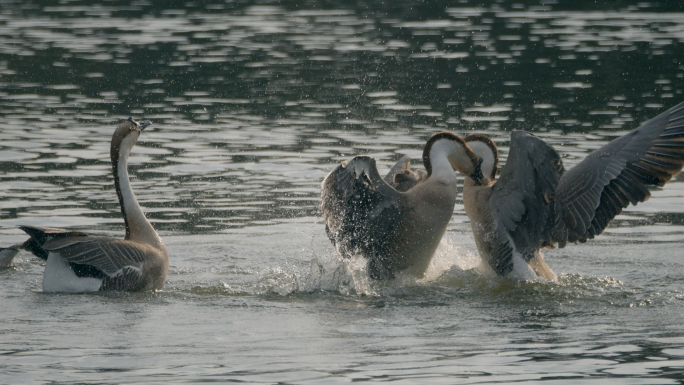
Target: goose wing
x=522, y=198
x=596, y=190
x=120, y=260
x=402, y=178
x=359, y=208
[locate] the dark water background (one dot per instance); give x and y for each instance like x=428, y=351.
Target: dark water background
x=253, y=102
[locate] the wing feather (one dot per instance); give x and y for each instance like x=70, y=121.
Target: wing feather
x=617, y=175
x=361, y=211
x=128, y=278
x=522, y=199
x=108, y=255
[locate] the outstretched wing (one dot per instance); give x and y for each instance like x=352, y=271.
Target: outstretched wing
x=119, y=261
x=609, y=179
x=359, y=208
x=522, y=200
x=402, y=178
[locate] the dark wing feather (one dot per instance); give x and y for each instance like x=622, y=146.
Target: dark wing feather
x=128, y=278
x=40, y=235
x=361, y=211
x=107, y=254
x=89, y=255
x=609, y=179
x=522, y=198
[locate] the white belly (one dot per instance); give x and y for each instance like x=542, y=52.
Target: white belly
x=521, y=269
x=59, y=278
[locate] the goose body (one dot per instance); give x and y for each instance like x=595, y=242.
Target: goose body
x=78, y=262
x=535, y=203
x=396, y=222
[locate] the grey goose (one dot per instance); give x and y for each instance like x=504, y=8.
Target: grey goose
x=78, y=262
x=536, y=203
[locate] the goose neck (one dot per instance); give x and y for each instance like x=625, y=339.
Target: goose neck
x=138, y=228
x=441, y=168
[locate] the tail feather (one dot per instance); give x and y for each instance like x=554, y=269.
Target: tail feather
x=40, y=235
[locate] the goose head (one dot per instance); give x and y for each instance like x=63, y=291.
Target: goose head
x=459, y=155
x=486, y=150
x=124, y=138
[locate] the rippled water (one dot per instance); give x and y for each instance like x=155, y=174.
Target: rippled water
x=252, y=104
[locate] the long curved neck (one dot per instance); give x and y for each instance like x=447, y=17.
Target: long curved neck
x=138, y=228
x=449, y=153
x=440, y=167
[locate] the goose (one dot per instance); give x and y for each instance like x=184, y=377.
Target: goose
x=78, y=262
x=396, y=223
x=536, y=204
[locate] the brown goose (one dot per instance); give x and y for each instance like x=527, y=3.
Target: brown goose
x=77, y=262
x=535, y=203
x=396, y=223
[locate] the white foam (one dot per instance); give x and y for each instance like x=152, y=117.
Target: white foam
x=354, y=278
x=448, y=256
x=60, y=278
x=328, y=271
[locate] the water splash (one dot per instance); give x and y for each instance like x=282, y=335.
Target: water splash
x=329, y=272
x=449, y=256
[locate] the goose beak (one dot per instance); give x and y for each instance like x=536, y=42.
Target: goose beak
x=477, y=174
x=140, y=125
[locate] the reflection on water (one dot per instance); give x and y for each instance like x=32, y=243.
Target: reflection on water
x=252, y=104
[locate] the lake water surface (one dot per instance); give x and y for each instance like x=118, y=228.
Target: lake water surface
x=253, y=102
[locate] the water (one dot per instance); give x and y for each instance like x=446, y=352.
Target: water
x=253, y=103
